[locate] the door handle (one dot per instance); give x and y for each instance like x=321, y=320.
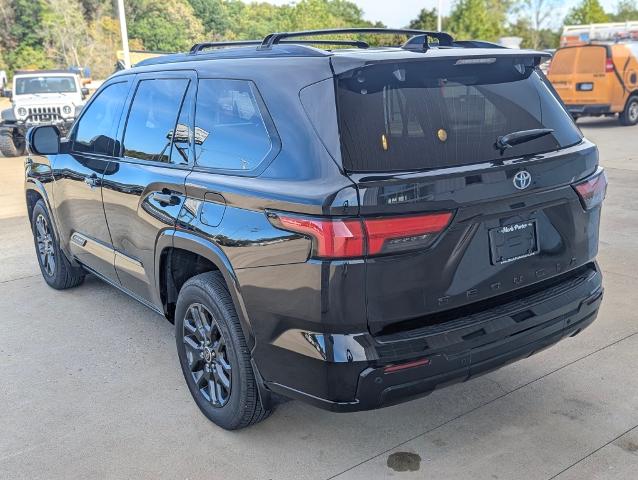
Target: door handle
x=91, y=180
x=166, y=199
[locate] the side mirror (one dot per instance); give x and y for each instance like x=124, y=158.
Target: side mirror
x=44, y=140
x=85, y=92
x=7, y=93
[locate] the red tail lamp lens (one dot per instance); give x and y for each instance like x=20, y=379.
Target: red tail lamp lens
x=609, y=65
x=593, y=190
x=400, y=233
x=351, y=238
x=331, y=238
x=405, y=366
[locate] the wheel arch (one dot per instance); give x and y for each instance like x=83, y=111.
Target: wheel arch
x=176, y=248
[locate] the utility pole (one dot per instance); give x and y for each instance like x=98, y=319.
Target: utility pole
x=439, y=20
x=127, y=55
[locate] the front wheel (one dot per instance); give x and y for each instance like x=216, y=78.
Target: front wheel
x=55, y=267
x=213, y=354
x=11, y=143
x=629, y=116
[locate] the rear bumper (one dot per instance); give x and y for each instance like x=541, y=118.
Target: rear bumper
x=444, y=353
x=589, y=109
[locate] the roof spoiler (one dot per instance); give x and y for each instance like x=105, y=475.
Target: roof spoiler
x=345, y=63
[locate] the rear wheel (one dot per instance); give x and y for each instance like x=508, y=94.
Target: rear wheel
x=55, y=267
x=213, y=354
x=11, y=143
x=629, y=116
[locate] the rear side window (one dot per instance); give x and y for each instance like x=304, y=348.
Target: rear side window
x=96, y=129
x=153, y=118
x=440, y=113
x=230, y=131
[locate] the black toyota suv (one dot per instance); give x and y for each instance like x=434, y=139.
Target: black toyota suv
x=324, y=220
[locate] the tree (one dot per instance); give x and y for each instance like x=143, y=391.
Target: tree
x=536, y=14
x=478, y=19
x=65, y=31
x=536, y=39
x=626, y=10
x=164, y=26
x=586, y=12
x=426, y=20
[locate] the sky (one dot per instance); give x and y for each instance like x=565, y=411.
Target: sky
x=398, y=13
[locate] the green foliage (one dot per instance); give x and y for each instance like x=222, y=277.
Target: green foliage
x=163, y=26
x=28, y=17
x=478, y=19
x=586, y=12
x=27, y=57
x=536, y=39
x=426, y=20
x=627, y=10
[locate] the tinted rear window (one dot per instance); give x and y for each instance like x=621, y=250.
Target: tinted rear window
x=424, y=115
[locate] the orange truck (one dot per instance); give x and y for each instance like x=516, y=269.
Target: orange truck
x=598, y=77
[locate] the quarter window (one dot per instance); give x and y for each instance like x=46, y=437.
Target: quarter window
x=152, y=119
x=230, y=132
x=96, y=129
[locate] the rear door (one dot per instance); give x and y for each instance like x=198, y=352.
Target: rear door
x=580, y=75
x=419, y=139
x=143, y=189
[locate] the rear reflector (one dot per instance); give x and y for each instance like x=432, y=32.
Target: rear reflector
x=358, y=237
x=405, y=366
x=593, y=190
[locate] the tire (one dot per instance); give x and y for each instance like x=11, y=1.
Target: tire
x=205, y=311
x=55, y=267
x=629, y=116
x=10, y=144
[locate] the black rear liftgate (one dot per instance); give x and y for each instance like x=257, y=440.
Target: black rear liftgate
x=422, y=136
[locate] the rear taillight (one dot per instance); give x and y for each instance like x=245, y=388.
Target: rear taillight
x=358, y=237
x=331, y=238
x=609, y=65
x=387, y=235
x=593, y=190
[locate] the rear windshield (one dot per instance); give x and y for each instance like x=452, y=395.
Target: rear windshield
x=444, y=113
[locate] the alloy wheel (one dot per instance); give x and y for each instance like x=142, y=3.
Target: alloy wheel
x=633, y=112
x=207, y=355
x=46, y=248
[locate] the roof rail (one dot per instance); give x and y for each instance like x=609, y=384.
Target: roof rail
x=444, y=39
x=195, y=49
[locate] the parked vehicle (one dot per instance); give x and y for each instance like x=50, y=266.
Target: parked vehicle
x=47, y=97
x=350, y=227
x=598, y=79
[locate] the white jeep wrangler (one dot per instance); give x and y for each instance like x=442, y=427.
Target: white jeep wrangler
x=39, y=98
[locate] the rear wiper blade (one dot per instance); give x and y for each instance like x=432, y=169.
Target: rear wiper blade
x=515, y=138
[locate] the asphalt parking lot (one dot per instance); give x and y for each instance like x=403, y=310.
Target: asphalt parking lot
x=90, y=386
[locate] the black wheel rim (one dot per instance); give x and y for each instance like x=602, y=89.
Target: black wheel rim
x=46, y=249
x=207, y=355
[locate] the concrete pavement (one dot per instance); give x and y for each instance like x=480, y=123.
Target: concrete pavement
x=91, y=387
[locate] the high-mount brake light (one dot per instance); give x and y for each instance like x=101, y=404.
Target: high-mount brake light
x=592, y=191
x=357, y=237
